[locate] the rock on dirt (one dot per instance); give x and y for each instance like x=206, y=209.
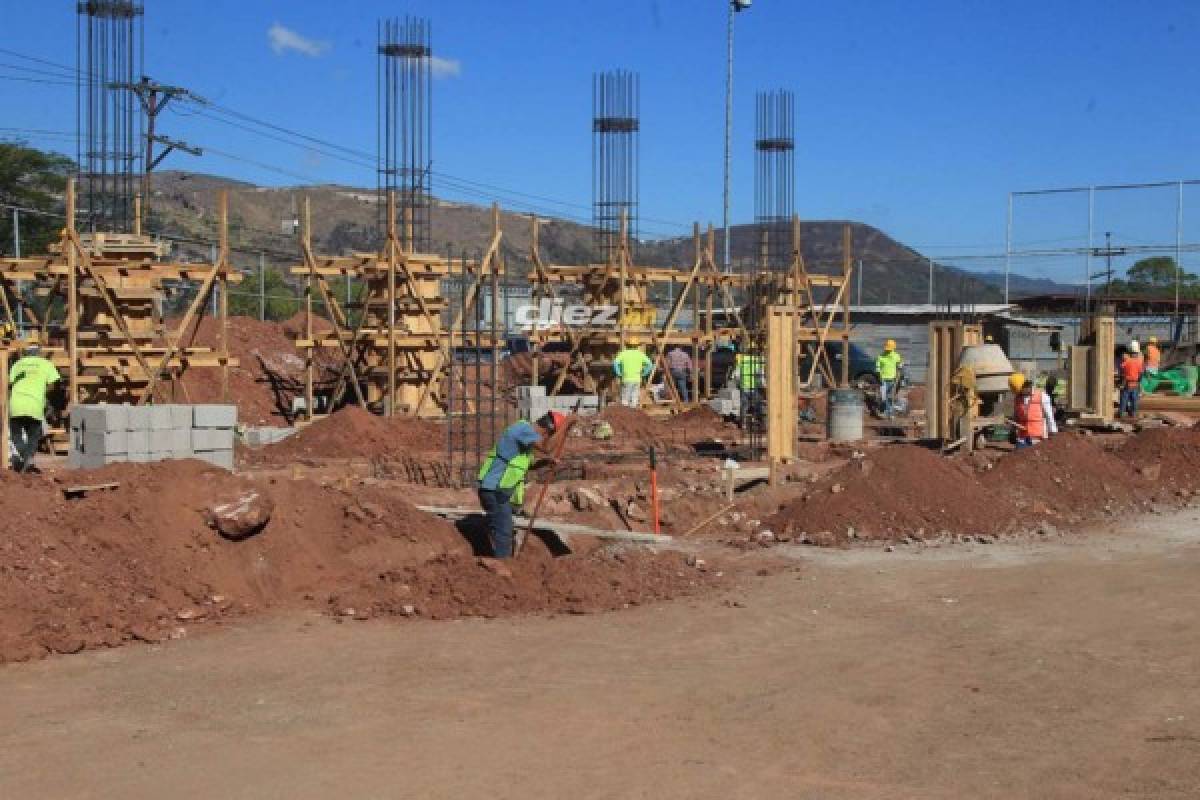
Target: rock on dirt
x=240, y=516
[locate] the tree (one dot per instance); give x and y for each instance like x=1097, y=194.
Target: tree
x=31, y=179
x=281, y=299
x=1157, y=275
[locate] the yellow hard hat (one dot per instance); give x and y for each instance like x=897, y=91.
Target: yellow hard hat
x=889, y=345
x=1016, y=381
x=988, y=339
x=1153, y=340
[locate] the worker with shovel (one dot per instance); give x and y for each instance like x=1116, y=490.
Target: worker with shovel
x=502, y=476
x=1033, y=413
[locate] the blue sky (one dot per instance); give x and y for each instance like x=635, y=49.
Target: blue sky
x=916, y=117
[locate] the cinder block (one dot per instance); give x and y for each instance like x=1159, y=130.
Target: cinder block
x=218, y=458
x=160, y=418
x=137, y=441
x=100, y=417
x=162, y=441
x=180, y=441
x=214, y=416
x=100, y=443
x=181, y=415
x=80, y=460
x=139, y=418
x=212, y=439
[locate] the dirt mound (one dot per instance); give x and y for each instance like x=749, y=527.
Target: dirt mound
x=1070, y=477
x=633, y=426
x=140, y=563
x=270, y=370
x=1165, y=456
x=352, y=432
x=895, y=492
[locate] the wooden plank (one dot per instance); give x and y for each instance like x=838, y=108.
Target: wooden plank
x=781, y=383
x=569, y=528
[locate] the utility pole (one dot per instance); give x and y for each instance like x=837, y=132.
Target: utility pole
x=262, y=287
x=930, y=260
x=734, y=7
x=154, y=97
x=1108, y=251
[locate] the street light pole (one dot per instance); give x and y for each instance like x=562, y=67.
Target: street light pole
x=734, y=7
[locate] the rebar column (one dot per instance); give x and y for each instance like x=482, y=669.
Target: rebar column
x=615, y=127
x=108, y=54
x=405, y=116
x=774, y=178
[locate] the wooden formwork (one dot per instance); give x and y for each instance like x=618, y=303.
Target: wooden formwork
x=781, y=384
x=391, y=347
x=947, y=338
x=628, y=287
x=95, y=304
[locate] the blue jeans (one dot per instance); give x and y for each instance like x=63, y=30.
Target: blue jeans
x=887, y=395
x=680, y=378
x=1129, y=401
x=497, y=504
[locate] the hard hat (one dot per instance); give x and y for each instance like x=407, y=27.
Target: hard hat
x=1153, y=340
x=1134, y=347
x=554, y=421
x=988, y=339
x=1016, y=381
x=889, y=345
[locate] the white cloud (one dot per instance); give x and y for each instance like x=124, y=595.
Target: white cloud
x=445, y=67
x=283, y=39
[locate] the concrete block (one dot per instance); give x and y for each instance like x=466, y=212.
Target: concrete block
x=214, y=416
x=161, y=441
x=261, y=435
x=137, y=441
x=101, y=417
x=80, y=460
x=160, y=418
x=139, y=418
x=181, y=415
x=218, y=458
x=212, y=439
x=180, y=440
x=96, y=442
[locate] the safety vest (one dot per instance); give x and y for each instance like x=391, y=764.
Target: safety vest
x=1131, y=371
x=513, y=476
x=1153, y=356
x=1031, y=415
x=749, y=372
x=888, y=365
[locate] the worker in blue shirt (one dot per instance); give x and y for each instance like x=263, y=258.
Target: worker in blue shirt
x=502, y=475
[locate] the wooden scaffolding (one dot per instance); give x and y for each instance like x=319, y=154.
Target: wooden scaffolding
x=95, y=304
x=629, y=288
x=391, y=346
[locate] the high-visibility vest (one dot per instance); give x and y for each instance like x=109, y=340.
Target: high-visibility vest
x=1131, y=371
x=1153, y=356
x=513, y=476
x=888, y=365
x=750, y=370
x=1031, y=415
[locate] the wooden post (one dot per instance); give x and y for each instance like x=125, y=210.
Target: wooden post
x=137, y=214
x=223, y=288
x=72, y=254
x=781, y=386
x=696, y=320
x=4, y=410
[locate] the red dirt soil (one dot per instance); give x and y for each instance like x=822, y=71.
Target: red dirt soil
x=139, y=563
x=352, y=432
x=633, y=426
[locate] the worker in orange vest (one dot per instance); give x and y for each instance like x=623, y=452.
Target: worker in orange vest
x=1032, y=411
x=1153, y=356
x=1132, y=367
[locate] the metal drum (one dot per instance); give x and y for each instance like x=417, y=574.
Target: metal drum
x=844, y=418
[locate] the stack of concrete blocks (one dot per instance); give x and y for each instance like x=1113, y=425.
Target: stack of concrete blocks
x=107, y=434
x=728, y=402
x=533, y=403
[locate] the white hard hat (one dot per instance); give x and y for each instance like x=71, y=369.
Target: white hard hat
x=1134, y=347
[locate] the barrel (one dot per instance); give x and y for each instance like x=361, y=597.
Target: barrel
x=844, y=418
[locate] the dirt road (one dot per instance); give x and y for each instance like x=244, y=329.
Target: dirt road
x=1063, y=670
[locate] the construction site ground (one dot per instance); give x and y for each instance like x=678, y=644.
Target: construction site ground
x=1044, y=669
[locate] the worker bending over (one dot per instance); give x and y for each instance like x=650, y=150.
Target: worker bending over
x=502, y=476
x=1153, y=356
x=1032, y=410
x=29, y=380
x=1131, y=370
x=632, y=366
x=888, y=367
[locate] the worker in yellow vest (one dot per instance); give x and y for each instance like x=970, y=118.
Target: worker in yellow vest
x=888, y=367
x=29, y=380
x=502, y=475
x=632, y=366
x=752, y=381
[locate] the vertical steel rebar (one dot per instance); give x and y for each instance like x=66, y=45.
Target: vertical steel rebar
x=615, y=129
x=404, y=81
